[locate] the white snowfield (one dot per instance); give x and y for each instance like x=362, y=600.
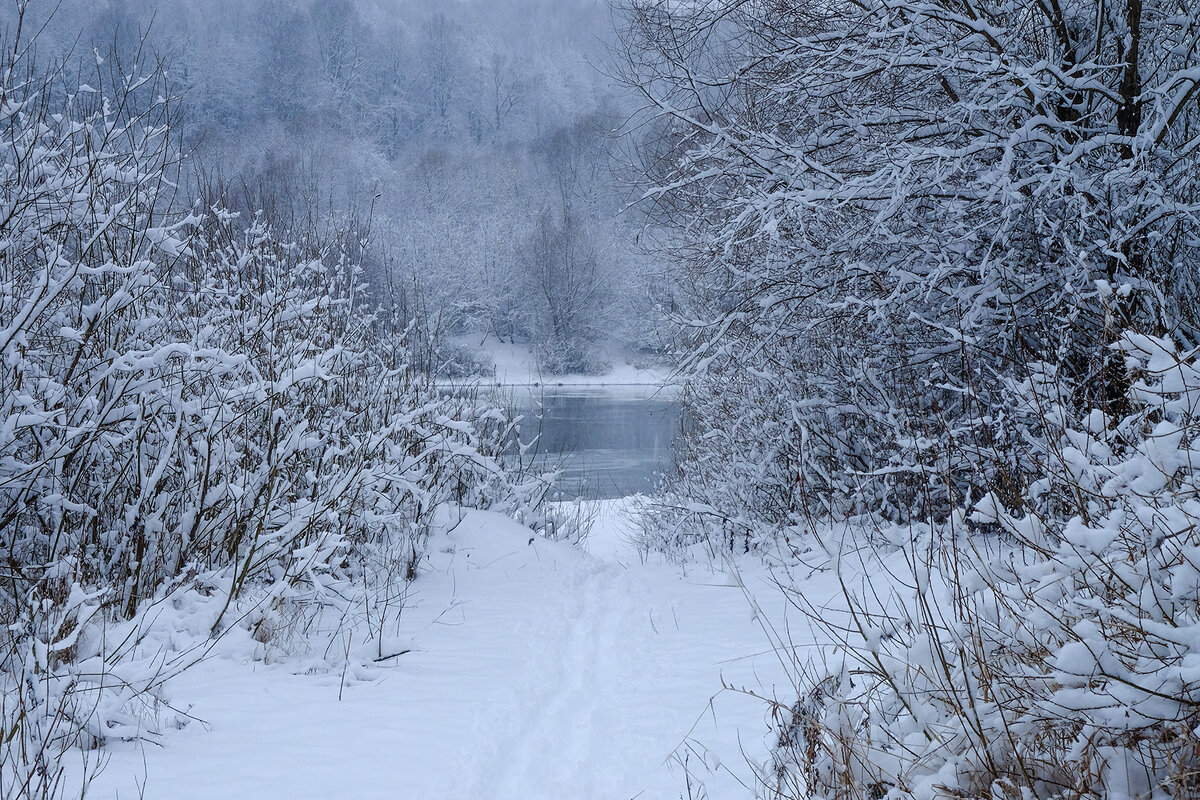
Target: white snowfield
x=536, y=670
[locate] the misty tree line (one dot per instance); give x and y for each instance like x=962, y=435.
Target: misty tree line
x=470, y=134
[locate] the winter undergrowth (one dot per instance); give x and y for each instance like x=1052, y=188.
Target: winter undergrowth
x=208, y=428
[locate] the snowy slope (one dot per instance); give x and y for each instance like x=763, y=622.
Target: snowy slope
x=536, y=671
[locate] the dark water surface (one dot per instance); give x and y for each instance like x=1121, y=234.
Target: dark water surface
x=606, y=442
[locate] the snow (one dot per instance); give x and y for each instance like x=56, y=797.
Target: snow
x=535, y=670
x=516, y=365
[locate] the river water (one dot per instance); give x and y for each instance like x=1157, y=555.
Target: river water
x=604, y=441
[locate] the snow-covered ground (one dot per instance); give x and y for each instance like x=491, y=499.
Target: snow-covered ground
x=517, y=366
x=536, y=670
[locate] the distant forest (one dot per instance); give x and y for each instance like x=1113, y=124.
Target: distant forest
x=472, y=140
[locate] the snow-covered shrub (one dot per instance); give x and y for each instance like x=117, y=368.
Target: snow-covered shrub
x=779, y=456
x=190, y=402
x=1047, y=649
x=883, y=210
x=456, y=361
x=571, y=355
x=570, y=520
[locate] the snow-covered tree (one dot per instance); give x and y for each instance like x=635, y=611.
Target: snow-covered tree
x=190, y=400
x=915, y=237
x=883, y=208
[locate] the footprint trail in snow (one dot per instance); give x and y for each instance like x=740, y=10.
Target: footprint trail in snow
x=537, y=672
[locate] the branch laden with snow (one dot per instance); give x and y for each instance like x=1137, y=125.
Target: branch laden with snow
x=190, y=402
x=881, y=211
x=1055, y=656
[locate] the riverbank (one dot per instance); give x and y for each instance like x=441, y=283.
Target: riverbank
x=515, y=364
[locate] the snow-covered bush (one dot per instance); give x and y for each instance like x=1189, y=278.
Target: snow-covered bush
x=1047, y=649
x=190, y=401
x=572, y=355
x=883, y=210
x=880, y=213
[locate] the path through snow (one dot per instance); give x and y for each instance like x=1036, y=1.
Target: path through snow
x=537, y=671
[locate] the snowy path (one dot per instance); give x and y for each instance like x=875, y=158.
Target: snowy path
x=537, y=672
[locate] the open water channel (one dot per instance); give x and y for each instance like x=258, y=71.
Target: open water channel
x=604, y=441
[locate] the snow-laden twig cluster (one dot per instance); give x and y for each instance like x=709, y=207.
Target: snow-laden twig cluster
x=881, y=211
x=1049, y=650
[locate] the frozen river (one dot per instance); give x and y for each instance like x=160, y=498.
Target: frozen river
x=606, y=441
